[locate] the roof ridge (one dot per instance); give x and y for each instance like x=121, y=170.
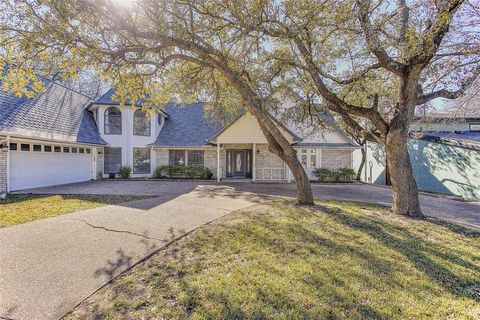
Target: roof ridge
x=64, y=86
x=58, y=83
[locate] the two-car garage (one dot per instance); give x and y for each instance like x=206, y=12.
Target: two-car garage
x=34, y=165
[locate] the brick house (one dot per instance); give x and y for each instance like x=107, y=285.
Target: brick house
x=61, y=136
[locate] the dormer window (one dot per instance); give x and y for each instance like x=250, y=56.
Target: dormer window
x=141, y=123
x=113, y=121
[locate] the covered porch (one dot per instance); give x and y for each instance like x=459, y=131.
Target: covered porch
x=249, y=162
x=242, y=153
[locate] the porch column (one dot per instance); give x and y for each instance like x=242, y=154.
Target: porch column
x=218, y=162
x=254, y=152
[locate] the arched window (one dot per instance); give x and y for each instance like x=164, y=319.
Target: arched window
x=113, y=121
x=141, y=123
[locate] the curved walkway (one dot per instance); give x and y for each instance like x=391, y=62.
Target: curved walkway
x=49, y=266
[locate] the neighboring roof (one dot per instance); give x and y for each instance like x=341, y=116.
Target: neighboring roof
x=58, y=114
x=445, y=117
x=186, y=126
x=465, y=139
x=107, y=99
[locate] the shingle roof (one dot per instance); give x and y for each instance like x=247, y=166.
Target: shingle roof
x=329, y=118
x=57, y=114
x=187, y=126
x=107, y=98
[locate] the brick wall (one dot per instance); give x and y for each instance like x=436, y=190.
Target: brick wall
x=210, y=159
x=3, y=170
x=162, y=157
x=268, y=166
x=209, y=156
x=336, y=159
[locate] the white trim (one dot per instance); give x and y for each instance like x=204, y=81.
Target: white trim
x=50, y=141
x=254, y=159
x=94, y=160
x=8, y=165
x=183, y=147
x=58, y=138
x=218, y=162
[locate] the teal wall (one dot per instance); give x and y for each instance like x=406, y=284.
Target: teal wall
x=443, y=168
x=437, y=167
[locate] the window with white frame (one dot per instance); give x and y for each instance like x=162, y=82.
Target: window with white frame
x=141, y=160
x=112, y=160
x=177, y=157
x=113, y=121
x=304, y=157
x=308, y=158
x=313, y=159
x=186, y=157
x=141, y=123
x=195, y=157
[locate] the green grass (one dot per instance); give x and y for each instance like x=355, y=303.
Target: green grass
x=337, y=260
x=16, y=209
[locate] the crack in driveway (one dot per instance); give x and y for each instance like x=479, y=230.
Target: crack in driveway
x=119, y=231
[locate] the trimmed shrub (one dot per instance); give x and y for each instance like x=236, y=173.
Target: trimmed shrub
x=175, y=171
x=347, y=174
x=125, y=172
x=207, y=174
x=322, y=174
x=340, y=175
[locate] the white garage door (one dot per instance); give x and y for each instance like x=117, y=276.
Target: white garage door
x=31, y=169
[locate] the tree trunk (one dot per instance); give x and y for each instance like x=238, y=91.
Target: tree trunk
x=289, y=156
x=405, y=192
x=304, y=188
x=362, y=163
x=277, y=143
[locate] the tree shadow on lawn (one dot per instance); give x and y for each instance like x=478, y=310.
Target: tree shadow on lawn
x=288, y=261
x=423, y=254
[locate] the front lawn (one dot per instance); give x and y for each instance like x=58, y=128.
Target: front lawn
x=338, y=260
x=17, y=209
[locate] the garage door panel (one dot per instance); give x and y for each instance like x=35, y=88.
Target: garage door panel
x=32, y=169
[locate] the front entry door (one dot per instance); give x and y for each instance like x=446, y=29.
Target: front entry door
x=239, y=163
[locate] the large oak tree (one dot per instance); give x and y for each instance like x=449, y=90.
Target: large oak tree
x=370, y=60
x=152, y=50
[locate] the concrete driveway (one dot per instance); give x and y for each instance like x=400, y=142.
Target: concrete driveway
x=49, y=266
x=463, y=213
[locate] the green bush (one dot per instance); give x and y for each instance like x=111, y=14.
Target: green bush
x=175, y=171
x=340, y=175
x=322, y=174
x=207, y=174
x=347, y=174
x=125, y=171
